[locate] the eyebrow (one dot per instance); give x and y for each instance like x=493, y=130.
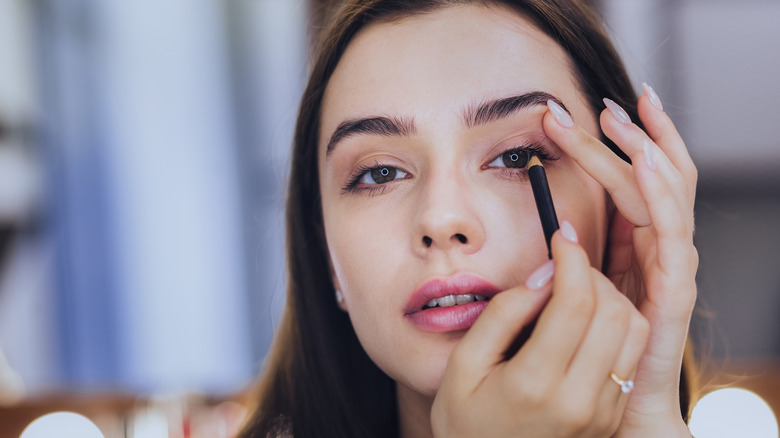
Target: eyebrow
x=497, y=109
x=473, y=116
x=384, y=126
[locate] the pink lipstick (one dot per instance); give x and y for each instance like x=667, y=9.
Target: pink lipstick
x=449, y=304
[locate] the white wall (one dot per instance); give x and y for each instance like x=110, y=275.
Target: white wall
x=172, y=173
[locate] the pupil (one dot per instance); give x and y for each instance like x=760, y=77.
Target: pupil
x=516, y=159
x=383, y=174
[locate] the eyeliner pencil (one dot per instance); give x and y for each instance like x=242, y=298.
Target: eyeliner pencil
x=543, y=198
x=549, y=220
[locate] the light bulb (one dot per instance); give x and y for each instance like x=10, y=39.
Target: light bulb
x=733, y=412
x=62, y=425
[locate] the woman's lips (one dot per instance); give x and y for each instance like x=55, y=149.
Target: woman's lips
x=457, y=317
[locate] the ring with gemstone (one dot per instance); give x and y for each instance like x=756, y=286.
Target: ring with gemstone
x=625, y=385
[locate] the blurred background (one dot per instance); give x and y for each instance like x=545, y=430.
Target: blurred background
x=143, y=154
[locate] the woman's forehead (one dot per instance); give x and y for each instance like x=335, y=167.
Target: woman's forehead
x=430, y=66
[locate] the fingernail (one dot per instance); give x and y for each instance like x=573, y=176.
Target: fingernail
x=568, y=231
x=650, y=156
x=561, y=116
x=654, y=99
x=541, y=276
x=620, y=114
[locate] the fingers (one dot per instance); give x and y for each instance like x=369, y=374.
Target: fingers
x=568, y=314
x=675, y=256
x=486, y=343
x=615, y=342
x=633, y=140
x=668, y=192
x=587, y=330
x=614, y=174
x=605, y=337
x=664, y=134
x=600, y=163
x=658, y=193
x=560, y=376
x=634, y=343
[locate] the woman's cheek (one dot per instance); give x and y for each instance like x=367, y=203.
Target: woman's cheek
x=364, y=252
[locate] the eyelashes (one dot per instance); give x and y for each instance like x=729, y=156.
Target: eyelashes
x=376, y=178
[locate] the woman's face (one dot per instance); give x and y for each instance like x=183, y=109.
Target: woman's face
x=424, y=124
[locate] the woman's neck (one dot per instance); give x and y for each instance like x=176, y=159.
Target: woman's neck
x=414, y=413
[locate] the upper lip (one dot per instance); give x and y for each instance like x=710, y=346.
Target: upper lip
x=459, y=284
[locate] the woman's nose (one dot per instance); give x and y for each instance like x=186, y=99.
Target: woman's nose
x=448, y=219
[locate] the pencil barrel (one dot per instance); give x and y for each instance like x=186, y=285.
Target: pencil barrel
x=544, y=203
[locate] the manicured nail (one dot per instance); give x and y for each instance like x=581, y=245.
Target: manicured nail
x=650, y=156
x=541, y=276
x=654, y=99
x=561, y=116
x=568, y=231
x=620, y=114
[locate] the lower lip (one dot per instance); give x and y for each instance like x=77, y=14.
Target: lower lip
x=447, y=319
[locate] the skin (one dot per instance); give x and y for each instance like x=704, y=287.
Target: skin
x=428, y=70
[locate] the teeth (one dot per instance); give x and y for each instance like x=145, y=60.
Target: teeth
x=447, y=301
x=463, y=299
x=453, y=300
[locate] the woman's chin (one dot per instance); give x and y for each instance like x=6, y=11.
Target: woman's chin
x=427, y=375
x=430, y=387
x=425, y=387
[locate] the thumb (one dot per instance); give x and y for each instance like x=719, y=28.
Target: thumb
x=494, y=332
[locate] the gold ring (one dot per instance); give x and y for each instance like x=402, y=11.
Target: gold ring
x=625, y=385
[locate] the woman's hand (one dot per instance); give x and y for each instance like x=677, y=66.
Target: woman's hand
x=651, y=254
x=558, y=384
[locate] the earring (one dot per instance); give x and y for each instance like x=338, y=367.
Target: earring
x=339, y=296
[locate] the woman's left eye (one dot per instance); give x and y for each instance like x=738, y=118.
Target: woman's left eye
x=381, y=175
x=512, y=159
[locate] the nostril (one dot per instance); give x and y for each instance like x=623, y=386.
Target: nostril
x=461, y=238
x=427, y=241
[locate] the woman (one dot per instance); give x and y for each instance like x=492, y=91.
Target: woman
x=410, y=208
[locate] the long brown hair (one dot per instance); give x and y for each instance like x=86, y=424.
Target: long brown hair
x=318, y=381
